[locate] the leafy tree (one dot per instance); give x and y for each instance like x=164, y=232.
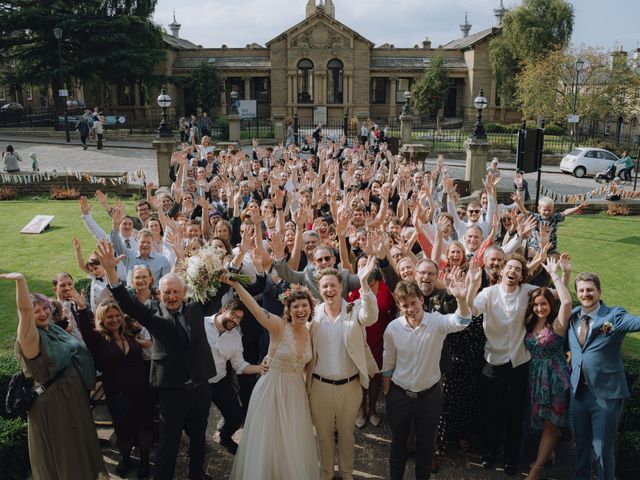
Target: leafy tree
x=110, y=40
x=429, y=94
x=202, y=88
x=529, y=31
x=546, y=87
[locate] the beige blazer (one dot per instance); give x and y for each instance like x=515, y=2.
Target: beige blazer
x=358, y=315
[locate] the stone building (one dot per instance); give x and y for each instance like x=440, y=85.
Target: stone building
x=323, y=69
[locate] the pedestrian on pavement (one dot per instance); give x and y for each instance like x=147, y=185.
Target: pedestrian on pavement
x=11, y=160
x=83, y=127
x=99, y=128
x=34, y=163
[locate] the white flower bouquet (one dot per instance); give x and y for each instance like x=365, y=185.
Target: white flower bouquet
x=203, y=273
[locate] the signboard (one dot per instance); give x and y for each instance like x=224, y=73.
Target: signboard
x=573, y=118
x=38, y=224
x=63, y=93
x=319, y=115
x=248, y=108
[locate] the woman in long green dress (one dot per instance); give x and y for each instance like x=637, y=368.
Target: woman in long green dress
x=63, y=443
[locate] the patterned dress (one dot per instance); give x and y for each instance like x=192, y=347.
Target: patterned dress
x=549, y=381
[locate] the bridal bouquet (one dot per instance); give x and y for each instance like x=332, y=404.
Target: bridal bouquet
x=203, y=273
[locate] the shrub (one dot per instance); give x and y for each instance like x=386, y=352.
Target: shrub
x=61, y=193
x=8, y=193
x=14, y=450
x=8, y=368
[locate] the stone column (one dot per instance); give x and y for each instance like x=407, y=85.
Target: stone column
x=406, y=127
x=278, y=127
x=234, y=127
x=476, y=166
x=247, y=88
x=164, y=147
x=393, y=88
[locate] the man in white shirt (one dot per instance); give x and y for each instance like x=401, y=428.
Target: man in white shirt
x=340, y=366
x=506, y=372
x=411, y=372
x=226, y=345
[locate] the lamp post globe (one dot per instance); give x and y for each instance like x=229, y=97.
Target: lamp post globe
x=480, y=103
x=234, y=102
x=164, y=102
x=407, y=102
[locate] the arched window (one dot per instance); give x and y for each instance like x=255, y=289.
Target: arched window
x=305, y=81
x=633, y=127
x=335, y=81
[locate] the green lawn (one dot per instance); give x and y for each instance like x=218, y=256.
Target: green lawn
x=606, y=245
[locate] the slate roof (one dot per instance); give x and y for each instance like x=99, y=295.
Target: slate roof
x=178, y=43
x=466, y=42
x=413, y=63
x=224, y=63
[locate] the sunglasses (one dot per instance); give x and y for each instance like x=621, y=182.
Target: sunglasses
x=473, y=211
x=323, y=259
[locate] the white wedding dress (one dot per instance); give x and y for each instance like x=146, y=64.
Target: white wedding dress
x=277, y=441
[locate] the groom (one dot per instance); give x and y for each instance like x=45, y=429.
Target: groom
x=340, y=366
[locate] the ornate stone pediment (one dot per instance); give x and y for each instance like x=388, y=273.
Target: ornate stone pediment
x=320, y=35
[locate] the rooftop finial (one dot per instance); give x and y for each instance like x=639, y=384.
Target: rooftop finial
x=465, y=28
x=499, y=13
x=175, y=26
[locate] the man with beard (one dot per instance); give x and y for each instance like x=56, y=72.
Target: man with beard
x=506, y=371
x=493, y=262
x=226, y=346
x=598, y=383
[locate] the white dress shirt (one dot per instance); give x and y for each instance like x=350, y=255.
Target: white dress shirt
x=225, y=346
x=503, y=323
x=334, y=362
x=412, y=355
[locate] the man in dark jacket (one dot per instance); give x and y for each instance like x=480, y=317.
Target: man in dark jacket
x=181, y=364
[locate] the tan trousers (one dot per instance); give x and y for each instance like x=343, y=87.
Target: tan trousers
x=334, y=408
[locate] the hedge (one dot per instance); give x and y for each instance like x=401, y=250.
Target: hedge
x=8, y=368
x=14, y=450
x=628, y=442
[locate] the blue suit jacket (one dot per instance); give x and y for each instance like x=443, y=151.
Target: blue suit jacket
x=600, y=358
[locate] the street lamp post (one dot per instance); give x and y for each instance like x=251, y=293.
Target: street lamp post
x=635, y=182
x=164, y=102
x=407, y=103
x=57, y=33
x=480, y=102
x=579, y=67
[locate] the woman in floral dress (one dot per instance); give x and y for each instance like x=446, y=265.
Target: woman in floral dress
x=549, y=382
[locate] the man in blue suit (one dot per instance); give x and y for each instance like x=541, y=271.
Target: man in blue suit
x=598, y=382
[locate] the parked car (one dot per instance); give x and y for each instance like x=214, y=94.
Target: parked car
x=75, y=106
x=583, y=161
x=11, y=107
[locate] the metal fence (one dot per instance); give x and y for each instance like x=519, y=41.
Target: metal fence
x=256, y=128
x=28, y=117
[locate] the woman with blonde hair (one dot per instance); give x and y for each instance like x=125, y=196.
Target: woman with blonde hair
x=118, y=356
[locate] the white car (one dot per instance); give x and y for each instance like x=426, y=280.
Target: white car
x=583, y=161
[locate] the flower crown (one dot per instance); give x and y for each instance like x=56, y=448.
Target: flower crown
x=294, y=290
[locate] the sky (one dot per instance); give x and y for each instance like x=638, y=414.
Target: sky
x=402, y=23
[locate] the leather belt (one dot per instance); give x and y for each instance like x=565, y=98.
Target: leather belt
x=336, y=382
x=415, y=395
x=192, y=386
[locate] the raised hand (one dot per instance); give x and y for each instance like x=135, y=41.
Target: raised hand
x=551, y=265
x=106, y=256
x=78, y=298
x=85, y=206
x=248, y=240
x=565, y=262
x=475, y=272
x=363, y=273
x=458, y=285
x=76, y=243
x=277, y=246
x=15, y=276
x=526, y=226
x=102, y=198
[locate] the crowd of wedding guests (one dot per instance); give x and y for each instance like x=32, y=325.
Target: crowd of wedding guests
x=367, y=276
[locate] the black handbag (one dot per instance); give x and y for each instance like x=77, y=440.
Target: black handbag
x=21, y=395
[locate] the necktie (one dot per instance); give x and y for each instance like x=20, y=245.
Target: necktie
x=127, y=243
x=182, y=327
x=584, y=330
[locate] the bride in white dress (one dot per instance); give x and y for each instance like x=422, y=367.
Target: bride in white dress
x=277, y=441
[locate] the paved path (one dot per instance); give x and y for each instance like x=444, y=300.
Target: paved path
x=117, y=156
x=371, y=460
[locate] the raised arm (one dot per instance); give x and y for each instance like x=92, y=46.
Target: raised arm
x=561, y=323
x=273, y=323
x=27, y=334
x=79, y=259
x=368, y=314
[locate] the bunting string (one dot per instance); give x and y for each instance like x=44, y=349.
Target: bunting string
x=36, y=177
